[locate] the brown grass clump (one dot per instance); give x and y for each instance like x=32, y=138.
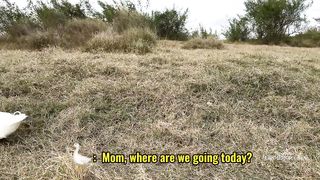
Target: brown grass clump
x=199, y=43
x=73, y=34
x=78, y=32
x=33, y=41
x=37, y=40
x=263, y=99
x=133, y=40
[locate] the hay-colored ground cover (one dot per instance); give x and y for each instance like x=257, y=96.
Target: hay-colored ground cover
x=263, y=99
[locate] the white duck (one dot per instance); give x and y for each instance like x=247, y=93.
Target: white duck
x=78, y=158
x=9, y=123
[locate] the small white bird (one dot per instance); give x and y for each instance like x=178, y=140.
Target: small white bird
x=209, y=103
x=9, y=123
x=78, y=158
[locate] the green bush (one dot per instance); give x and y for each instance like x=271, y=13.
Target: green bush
x=198, y=43
x=57, y=13
x=171, y=24
x=129, y=19
x=238, y=30
x=311, y=38
x=110, y=11
x=123, y=15
x=50, y=18
x=135, y=40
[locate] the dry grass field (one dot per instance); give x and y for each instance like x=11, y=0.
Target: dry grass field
x=263, y=99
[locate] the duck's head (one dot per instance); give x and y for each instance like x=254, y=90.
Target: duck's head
x=20, y=115
x=76, y=145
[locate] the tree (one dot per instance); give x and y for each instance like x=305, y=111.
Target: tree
x=238, y=29
x=171, y=24
x=318, y=20
x=274, y=20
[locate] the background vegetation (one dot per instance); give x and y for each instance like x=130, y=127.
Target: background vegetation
x=61, y=23
x=273, y=22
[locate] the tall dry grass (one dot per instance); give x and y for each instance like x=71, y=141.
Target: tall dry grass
x=75, y=33
x=138, y=40
x=200, y=43
x=78, y=32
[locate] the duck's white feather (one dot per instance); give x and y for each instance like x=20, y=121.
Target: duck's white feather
x=78, y=158
x=82, y=160
x=9, y=123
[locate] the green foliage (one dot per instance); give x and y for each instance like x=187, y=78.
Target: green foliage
x=170, y=24
x=238, y=29
x=129, y=19
x=110, y=11
x=123, y=15
x=57, y=13
x=69, y=10
x=49, y=17
x=274, y=20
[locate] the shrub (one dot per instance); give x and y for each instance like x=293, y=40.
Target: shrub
x=15, y=22
x=125, y=20
x=311, y=38
x=139, y=40
x=49, y=18
x=198, y=43
x=105, y=41
x=68, y=25
x=132, y=40
x=75, y=33
x=110, y=11
x=79, y=31
x=203, y=33
x=57, y=13
x=238, y=30
x=21, y=28
x=123, y=15
x=36, y=41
